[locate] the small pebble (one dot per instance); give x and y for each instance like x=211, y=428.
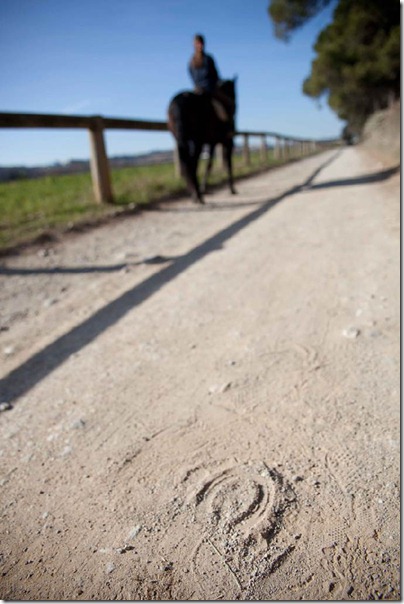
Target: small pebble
x=219, y=389
x=110, y=567
x=126, y=548
x=8, y=350
x=43, y=253
x=5, y=406
x=66, y=451
x=351, y=333
x=135, y=531
x=79, y=424
x=297, y=478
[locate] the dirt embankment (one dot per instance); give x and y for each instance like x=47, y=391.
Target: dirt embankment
x=381, y=135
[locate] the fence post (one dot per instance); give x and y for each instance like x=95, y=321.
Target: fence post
x=177, y=165
x=282, y=148
x=246, y=151
x=264, y=157
x=99, y=163
x=277, y=148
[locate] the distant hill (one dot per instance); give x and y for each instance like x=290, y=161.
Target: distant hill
x=75, y=166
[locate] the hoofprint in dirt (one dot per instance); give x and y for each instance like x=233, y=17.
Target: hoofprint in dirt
x=205, y=401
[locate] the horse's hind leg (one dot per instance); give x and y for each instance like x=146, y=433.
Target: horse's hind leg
x=228, y=158
x=205, y=180
x=197, y=194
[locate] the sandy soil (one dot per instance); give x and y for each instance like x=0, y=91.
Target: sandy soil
x=205, y=401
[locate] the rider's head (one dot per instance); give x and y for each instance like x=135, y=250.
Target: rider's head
x=199, y=43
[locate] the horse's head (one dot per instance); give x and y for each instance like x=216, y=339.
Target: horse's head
x=228, y=90
x=228, y=87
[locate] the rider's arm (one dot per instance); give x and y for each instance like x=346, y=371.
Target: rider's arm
x=212, y=69
x=191, y=72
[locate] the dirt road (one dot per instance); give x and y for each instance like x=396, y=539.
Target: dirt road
x=205, y=401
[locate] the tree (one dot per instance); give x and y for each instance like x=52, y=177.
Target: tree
x=358, y=55
x=288, y=15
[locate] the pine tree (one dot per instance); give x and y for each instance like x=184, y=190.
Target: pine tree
x=357, y=66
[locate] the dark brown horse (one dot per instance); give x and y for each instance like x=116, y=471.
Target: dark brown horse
x=194, y=123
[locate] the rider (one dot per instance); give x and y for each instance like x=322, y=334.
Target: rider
x=203, y=72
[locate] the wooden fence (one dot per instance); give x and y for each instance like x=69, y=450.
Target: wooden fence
x=285, y=147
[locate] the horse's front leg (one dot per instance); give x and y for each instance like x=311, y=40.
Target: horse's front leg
x=204, y=187
x=228, y=159
x=188, y=162
x=197, y=195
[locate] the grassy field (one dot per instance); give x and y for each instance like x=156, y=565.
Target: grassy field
x=53, y=204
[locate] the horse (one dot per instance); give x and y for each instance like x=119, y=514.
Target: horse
x=194, y=122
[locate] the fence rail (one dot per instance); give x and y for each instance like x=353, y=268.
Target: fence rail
x=285, y=147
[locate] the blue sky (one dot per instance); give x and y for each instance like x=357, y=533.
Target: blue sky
x=127, y=58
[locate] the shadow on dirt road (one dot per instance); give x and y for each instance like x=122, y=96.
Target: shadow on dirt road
x=41, y=364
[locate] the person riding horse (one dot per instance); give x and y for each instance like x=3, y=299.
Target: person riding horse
x=203, y=117
x=205, y=77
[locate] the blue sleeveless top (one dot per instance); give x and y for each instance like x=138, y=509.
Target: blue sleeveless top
x=206, y=76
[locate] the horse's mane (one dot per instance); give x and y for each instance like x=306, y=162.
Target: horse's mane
x=228, y=87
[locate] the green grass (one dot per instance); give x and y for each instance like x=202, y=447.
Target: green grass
x=33, y=207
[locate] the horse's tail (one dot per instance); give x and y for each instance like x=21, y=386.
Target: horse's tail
x=177, y=119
